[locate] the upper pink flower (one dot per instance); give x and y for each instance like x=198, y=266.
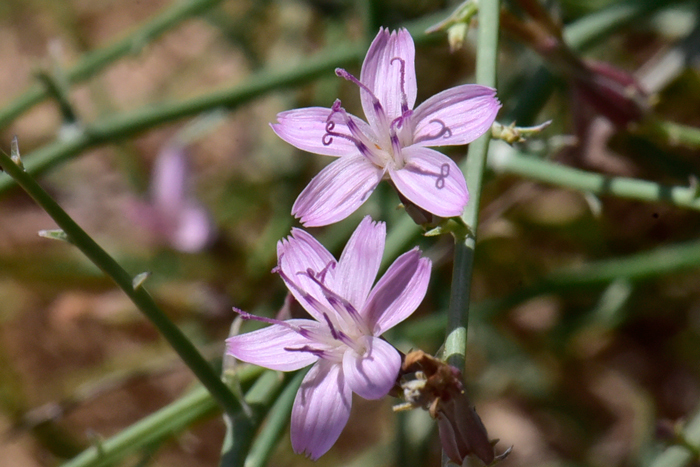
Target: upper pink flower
x=343, y=338
x=394, y=142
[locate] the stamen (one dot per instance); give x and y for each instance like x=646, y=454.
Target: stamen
x=357, y=137
x=404, y=99
x=345, y=75
x=307, y=348
x=444, y=132
x=376, y=104
x=334, y=333
x=247, y=316
x=444, y=173
x=341, y=305
x=307, y=296
x=321, y=275
x=439, y=177
x=396, y=150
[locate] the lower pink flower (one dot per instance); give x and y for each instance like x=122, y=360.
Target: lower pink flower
x=343, y=340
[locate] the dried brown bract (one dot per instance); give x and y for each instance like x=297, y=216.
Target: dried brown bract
x=433, y=385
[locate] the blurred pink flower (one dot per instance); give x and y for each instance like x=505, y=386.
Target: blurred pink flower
x=171, y=215
x=394, y=143
x=342, y=341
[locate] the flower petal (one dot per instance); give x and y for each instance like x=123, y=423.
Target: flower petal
x=455, y=116
x=194, y=229
x=389, y=79
x=306, y=130
x=321, y=410
x=296, y=255
x=432, y=181
x=168, y=179
x=266, y=347
x=337, y=191
x=398, y=293
x=373, y=374
x=358, y=265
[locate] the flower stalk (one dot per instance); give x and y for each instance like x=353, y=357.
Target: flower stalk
x=458, y=315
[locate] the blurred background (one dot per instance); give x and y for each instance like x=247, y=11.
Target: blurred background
x=590, y=368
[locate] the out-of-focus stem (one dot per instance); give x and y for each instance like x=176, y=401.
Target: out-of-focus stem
x=167, y=421
x=120, y=126
x=674, y=133
x=138, y=295
x=504, y=159
x=127, y=124
x=96, y=60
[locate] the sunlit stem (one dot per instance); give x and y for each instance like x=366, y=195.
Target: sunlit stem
x=458, y=317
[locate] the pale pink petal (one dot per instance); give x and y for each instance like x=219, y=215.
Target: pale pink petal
x=296, y=255
x=194, y=229
x=168, y=179
x=373, y=374
x=389, y=79
x=321, y=410
x=398, y=293
x=456, y=116
x=432, y=181
x=266, y=347
x=146, y=216
x=306, y=130
x=337, y=191
x=358, y=265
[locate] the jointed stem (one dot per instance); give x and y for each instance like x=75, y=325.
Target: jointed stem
x=458, y=317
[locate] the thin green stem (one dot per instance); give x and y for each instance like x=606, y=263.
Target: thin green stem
x=589, y=30
x=242, y=427
x=95, y=61
x=674, y=133
x=167, y=421
x=143, y=301
x=579, y=35
x=458, y=315
x=276, y=422
x=504, y=159
x=120, y=126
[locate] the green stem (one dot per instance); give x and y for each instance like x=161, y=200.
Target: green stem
x=276, y=422
x=504, y=159
x=127, y=124
x=458, y=315
x=579, y=35
x=98, y=59
x=143, y=301
x=242, y=427
x=675, y=133
x=120, y=126
x=167, y=421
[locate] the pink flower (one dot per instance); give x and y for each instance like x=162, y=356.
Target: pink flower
x=342, y=341
x=394, y=143
x=171, y=215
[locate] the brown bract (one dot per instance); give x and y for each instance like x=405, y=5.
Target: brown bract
x=433, y=385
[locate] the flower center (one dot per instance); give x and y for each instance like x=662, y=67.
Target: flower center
x=390, y=136
x=344, y=323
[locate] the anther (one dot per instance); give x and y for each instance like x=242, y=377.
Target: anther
x=444, y=132
x=404, y=99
